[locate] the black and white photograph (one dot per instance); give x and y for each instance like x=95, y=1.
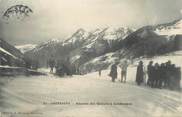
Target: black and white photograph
x=90, y=58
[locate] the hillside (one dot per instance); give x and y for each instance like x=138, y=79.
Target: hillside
x=105, y=61
x=9, y=55
x=172, y=28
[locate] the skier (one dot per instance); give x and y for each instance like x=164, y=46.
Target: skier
x=124, y=67
x=113, y=72
x=140, y=73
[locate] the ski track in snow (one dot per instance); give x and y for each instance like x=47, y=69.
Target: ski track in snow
x=27, y=94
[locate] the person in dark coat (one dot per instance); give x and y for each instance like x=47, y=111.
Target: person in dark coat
x=150, y=71
x=155, y=83
x=178, y=78
x=100, y=72
x=140, y=73
x=51, y=65
x=162, y=74
x=113, y=72
x=172, y=77
x=168, y=74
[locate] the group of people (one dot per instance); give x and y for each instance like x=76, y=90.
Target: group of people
x=113, y=73
x=62, y=70
x=59, y=68
x=164, y=75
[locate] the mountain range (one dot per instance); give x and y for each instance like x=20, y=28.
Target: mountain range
x=81, y=47
x=107, y=45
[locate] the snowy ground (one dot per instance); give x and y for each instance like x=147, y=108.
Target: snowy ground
x=42, y=97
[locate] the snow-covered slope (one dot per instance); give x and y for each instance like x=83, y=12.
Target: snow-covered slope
x=103, y=62
x=25, y=48
x=45, y=96
x=174, y=57
x=172, y=31
x=7, y=53
x=173, y=28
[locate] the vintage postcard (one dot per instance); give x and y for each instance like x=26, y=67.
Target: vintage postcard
x=90, y=58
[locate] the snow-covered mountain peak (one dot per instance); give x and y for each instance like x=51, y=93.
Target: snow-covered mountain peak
x=117, y=33
x=98, y=31
x=80, y=31
x=51, y=41
x=54, y=40
x=78, y=36
x=26, y=47
x=107, y=33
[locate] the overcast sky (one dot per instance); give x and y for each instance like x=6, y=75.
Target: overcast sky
x=60, y=18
